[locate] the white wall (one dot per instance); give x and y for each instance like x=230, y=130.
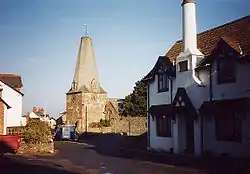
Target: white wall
x=233, y=90
x=158, y=98
x=33, y=115
x=159, y=143
x=155, y=98
x=13, y=115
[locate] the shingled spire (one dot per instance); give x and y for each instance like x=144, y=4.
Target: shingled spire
x=86, y=75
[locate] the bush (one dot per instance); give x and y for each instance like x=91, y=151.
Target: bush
x=105, y=123
x=95, y=125
x=36, y=132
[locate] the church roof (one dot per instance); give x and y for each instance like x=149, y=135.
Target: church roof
x=86, y=74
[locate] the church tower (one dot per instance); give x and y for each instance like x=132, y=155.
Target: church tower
x=86, y=99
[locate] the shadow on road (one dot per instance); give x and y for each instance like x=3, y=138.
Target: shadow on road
x=22, y=165
x=135, y=148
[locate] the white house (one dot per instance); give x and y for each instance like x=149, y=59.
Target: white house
x=42, y=116
x=198, y=92
x=11, y=101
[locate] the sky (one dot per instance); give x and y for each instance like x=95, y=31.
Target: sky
x=39, y=40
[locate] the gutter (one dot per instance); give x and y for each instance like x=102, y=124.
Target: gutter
x=148, y=103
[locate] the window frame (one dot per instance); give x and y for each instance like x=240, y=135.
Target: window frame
x=222, y=71
x=163, y=126
x=179, y=66
x=228, y=126
x=163, y=87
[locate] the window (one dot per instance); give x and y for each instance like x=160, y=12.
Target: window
x=162, y=82
x=163, y=126
x=226, y=71
x=183, y=66
x=228, y=126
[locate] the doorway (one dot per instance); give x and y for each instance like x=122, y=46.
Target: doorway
x=189, y=124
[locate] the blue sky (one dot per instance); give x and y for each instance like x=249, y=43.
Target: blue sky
x=39, y=40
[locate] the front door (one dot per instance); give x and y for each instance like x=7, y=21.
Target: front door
x=189, y=134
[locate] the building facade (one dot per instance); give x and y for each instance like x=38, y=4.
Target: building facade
x=198, y=92
x=10, y=102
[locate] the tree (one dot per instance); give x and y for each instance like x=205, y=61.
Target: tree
x=135, y=104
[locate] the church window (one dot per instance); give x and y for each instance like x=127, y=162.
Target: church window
x=94, y=84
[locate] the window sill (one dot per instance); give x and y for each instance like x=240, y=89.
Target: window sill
x=158, y=136
x=229, y=141
x=163, y=90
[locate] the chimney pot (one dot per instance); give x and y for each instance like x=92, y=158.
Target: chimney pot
x=188, y=1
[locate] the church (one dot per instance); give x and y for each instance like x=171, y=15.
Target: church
x=199, y=91
x=86, y=101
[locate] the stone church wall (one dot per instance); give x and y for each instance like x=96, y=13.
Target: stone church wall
x=94, y=105
x=74, y=108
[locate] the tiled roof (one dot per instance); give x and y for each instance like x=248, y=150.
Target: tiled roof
x=235, y=33
x=11, y=80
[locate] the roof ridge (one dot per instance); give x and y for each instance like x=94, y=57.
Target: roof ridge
x=10, y=75
x=220, y=26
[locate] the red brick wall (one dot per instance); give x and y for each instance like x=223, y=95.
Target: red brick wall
x=1, y=118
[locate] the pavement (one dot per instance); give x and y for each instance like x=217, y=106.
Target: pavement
x=90, y=158
x=76, y=157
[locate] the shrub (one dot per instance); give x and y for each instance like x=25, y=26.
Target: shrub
x=95, y=125
x=36, y=132
x=105, y=123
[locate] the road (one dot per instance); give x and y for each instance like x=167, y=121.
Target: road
x=82, y=154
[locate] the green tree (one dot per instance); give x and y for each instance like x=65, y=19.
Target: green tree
x=135, y=104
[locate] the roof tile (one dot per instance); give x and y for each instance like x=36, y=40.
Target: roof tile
x=235, y=33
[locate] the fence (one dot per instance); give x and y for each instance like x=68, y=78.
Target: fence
x=15, y=130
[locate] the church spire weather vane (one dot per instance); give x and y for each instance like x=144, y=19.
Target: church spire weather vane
x=86, y=29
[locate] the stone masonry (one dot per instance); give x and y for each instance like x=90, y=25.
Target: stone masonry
x=86, y=99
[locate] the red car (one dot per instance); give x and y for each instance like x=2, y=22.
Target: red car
x=9, y=143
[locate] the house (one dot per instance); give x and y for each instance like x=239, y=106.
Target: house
x=198, y=92
x=42, y=116
x=10, y=101
x=61, y=120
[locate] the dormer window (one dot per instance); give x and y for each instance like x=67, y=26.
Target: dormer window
x=162, y=82
x=183, y=66
x=226, y=70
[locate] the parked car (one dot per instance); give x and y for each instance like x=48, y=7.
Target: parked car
x=9, y=143
x=66, y=132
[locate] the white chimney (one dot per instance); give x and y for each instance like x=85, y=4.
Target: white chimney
x=189, y=26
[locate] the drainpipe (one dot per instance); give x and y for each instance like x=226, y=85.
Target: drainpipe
x=171, y=90
x=172, y=123
x=210, y=83
x=86, y=119
x=148, y=103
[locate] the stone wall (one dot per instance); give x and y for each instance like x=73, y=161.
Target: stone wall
x=100, y=130
x=73, y=108
x=129, y=125
x=84, y=108
x=94, y=106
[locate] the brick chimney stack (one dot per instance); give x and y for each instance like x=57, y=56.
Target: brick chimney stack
x=34, y=109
